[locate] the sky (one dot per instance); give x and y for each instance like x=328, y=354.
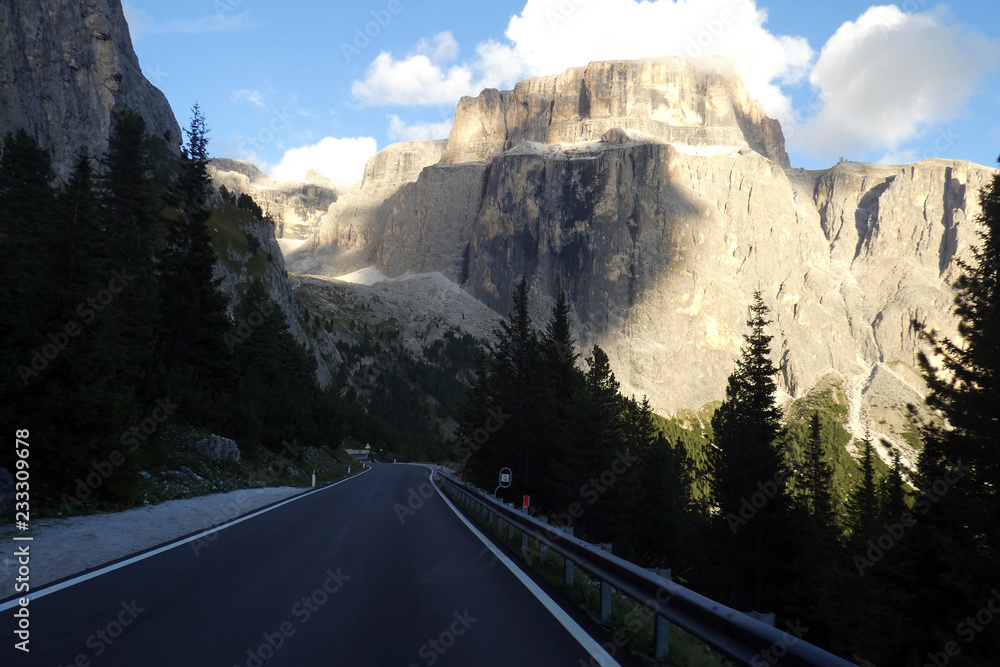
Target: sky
x=316, y=84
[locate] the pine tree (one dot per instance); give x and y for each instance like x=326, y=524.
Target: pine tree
x=513, y=384
x=563, y=382
x=598, y=440
x=862, y=505
x=818, y=482
x=130, y=217
x=954, y=548
x=747, y=465
x=194, y=320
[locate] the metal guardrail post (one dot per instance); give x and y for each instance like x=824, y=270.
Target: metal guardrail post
x=510, y=531
x=661, y=626
x=605, y=592
x=735, y=635
x=543, y=548
x=567, y=563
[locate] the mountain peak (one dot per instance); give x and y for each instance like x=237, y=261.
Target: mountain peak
x=665, y=100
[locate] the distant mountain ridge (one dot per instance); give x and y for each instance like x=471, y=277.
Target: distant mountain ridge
x=659, y=196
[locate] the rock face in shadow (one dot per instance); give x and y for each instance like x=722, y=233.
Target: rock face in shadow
x=64, y=67
x=660, y=236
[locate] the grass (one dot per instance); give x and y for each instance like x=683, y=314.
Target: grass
x=631, y=625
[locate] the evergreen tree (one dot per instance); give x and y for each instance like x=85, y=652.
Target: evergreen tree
x=194, y=320
x=862, y=505
x=746, y=464
x=954, y=547
x=666, y=521
x=512, y=383
x=130, y=218
x=559, y=403
x=818, y=483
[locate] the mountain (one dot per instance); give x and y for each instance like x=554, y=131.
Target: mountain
x=295, y=207
x=64, y=67
x=658, y=195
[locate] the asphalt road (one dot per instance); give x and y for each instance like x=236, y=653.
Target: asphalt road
x=343, y=576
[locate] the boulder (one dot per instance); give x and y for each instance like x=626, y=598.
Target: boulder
x=219, y=448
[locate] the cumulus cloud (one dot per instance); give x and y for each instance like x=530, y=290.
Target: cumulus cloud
x=887, y=76
x=341, y=160
x=401, y=131
x=422, y=78
x=549, y=36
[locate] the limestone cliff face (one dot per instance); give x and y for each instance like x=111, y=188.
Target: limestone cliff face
x=356, y=223
x=295, y=207
x=65, y=65
x=670, y=99
x=660, y=243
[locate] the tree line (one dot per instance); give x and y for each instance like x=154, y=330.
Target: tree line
x=110, y=309
x=892, y=572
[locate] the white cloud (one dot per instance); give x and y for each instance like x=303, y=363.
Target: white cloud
x=254, y=97
x=441, y=49
x=401, y=131
x=549, y=36
x=887, y=76
x=419, y=79
x=341, y=160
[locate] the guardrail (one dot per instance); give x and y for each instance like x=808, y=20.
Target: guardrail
x=739, y=637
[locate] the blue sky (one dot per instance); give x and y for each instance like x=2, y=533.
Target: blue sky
x=313, y=84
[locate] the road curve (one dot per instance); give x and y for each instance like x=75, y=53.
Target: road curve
x=376, y=570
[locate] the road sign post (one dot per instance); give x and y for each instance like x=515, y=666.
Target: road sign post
x=505, y=478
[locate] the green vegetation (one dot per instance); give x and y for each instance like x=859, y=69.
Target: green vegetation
x=113, y=329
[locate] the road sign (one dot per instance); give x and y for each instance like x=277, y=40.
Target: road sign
x=505, y=475
x=527, y=499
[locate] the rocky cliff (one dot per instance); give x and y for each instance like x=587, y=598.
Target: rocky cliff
x=65, y=65
x=670, y=99
x=295, y=207
x=660, y=231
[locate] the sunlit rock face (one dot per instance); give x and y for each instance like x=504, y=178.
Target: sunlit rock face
x=659, y=197
x=64, y=67
x=295, y=207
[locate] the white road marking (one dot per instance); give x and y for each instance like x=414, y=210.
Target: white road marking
x=52, y=588
x=589, y=644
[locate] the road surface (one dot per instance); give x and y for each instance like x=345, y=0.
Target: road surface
x=375, y=570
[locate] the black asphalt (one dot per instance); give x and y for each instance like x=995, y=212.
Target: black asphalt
x=334, y=578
